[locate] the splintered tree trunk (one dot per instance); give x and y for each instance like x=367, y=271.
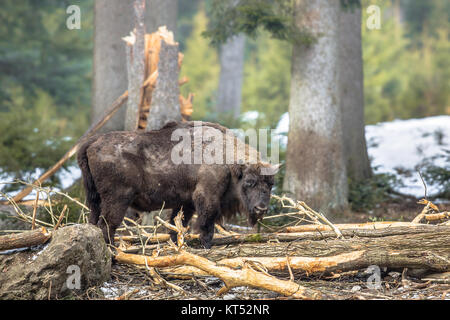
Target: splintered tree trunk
x=352, y=95
x=315, y=163
x=231, y=76
x=113, y=20
x=165, y=102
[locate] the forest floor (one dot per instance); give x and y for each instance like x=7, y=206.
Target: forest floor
x=134, y=283
x=130, y=282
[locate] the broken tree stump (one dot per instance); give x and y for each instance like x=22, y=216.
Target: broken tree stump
x=165, y=104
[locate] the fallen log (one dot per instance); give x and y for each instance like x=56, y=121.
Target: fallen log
x=421, y=247
x=245, y=276
x=24, y=239
x=367, y=225
x=220, y=240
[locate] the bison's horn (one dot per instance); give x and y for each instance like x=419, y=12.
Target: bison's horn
x=271, y=169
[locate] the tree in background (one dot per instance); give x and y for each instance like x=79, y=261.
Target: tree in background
x=267, y=76
x=315, y=163
x=316, y=166
x=113, y=20
x=201, y=66
x=406, y=62
x=229, y=93
x=351, y=81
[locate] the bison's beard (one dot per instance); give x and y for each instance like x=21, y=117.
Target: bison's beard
x=252, y=219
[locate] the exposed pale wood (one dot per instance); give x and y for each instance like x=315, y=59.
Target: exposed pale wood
x=425, y=250
x=368, y=225
x=437, y=216
x=232, y=278
x=24, y=239
x=35, y=205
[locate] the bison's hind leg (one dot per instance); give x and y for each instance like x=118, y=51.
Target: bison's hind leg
x=113, y=210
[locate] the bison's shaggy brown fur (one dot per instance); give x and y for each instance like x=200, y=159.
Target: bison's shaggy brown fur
x=134, y=169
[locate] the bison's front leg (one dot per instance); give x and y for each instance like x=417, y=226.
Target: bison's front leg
x=207, y=207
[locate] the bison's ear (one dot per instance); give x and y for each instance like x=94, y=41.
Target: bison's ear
x=236, y=171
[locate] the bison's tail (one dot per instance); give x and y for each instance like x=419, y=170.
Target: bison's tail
x=92, y=196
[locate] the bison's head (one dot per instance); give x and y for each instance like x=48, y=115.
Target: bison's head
x=254, y=187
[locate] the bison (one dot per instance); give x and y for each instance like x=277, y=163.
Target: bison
x=144, y=170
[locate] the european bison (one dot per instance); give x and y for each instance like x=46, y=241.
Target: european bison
x=144, y=170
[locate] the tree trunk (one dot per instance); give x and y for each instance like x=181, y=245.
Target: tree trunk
x=165, y=102
x=231, y=76
x=315, y=164
x=135, y=53
x=161, y=13
x=423, y=248
x=352, y=94
x=113, y=19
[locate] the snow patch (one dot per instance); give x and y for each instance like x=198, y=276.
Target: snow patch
x=400, y=147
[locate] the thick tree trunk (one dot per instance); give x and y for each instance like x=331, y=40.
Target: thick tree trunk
x=161, y=13
x=135, y=53
x=352, y=94
x=231, y=76
x=113, y=19
x=165, y=102
x=315, y=163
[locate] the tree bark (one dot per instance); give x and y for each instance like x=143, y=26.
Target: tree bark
x=135, y=53
x=165, y=102
x=352, y=94
x=113, y=19
x=315, y=163
x=219, y=240
x=425, y=249
x=161, y=13
x=231, y=76
x=25, y=239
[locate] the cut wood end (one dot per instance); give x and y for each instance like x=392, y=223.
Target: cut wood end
x=166, y=35
x=131, y=39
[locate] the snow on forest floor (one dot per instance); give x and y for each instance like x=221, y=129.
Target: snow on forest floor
x=401, y=147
